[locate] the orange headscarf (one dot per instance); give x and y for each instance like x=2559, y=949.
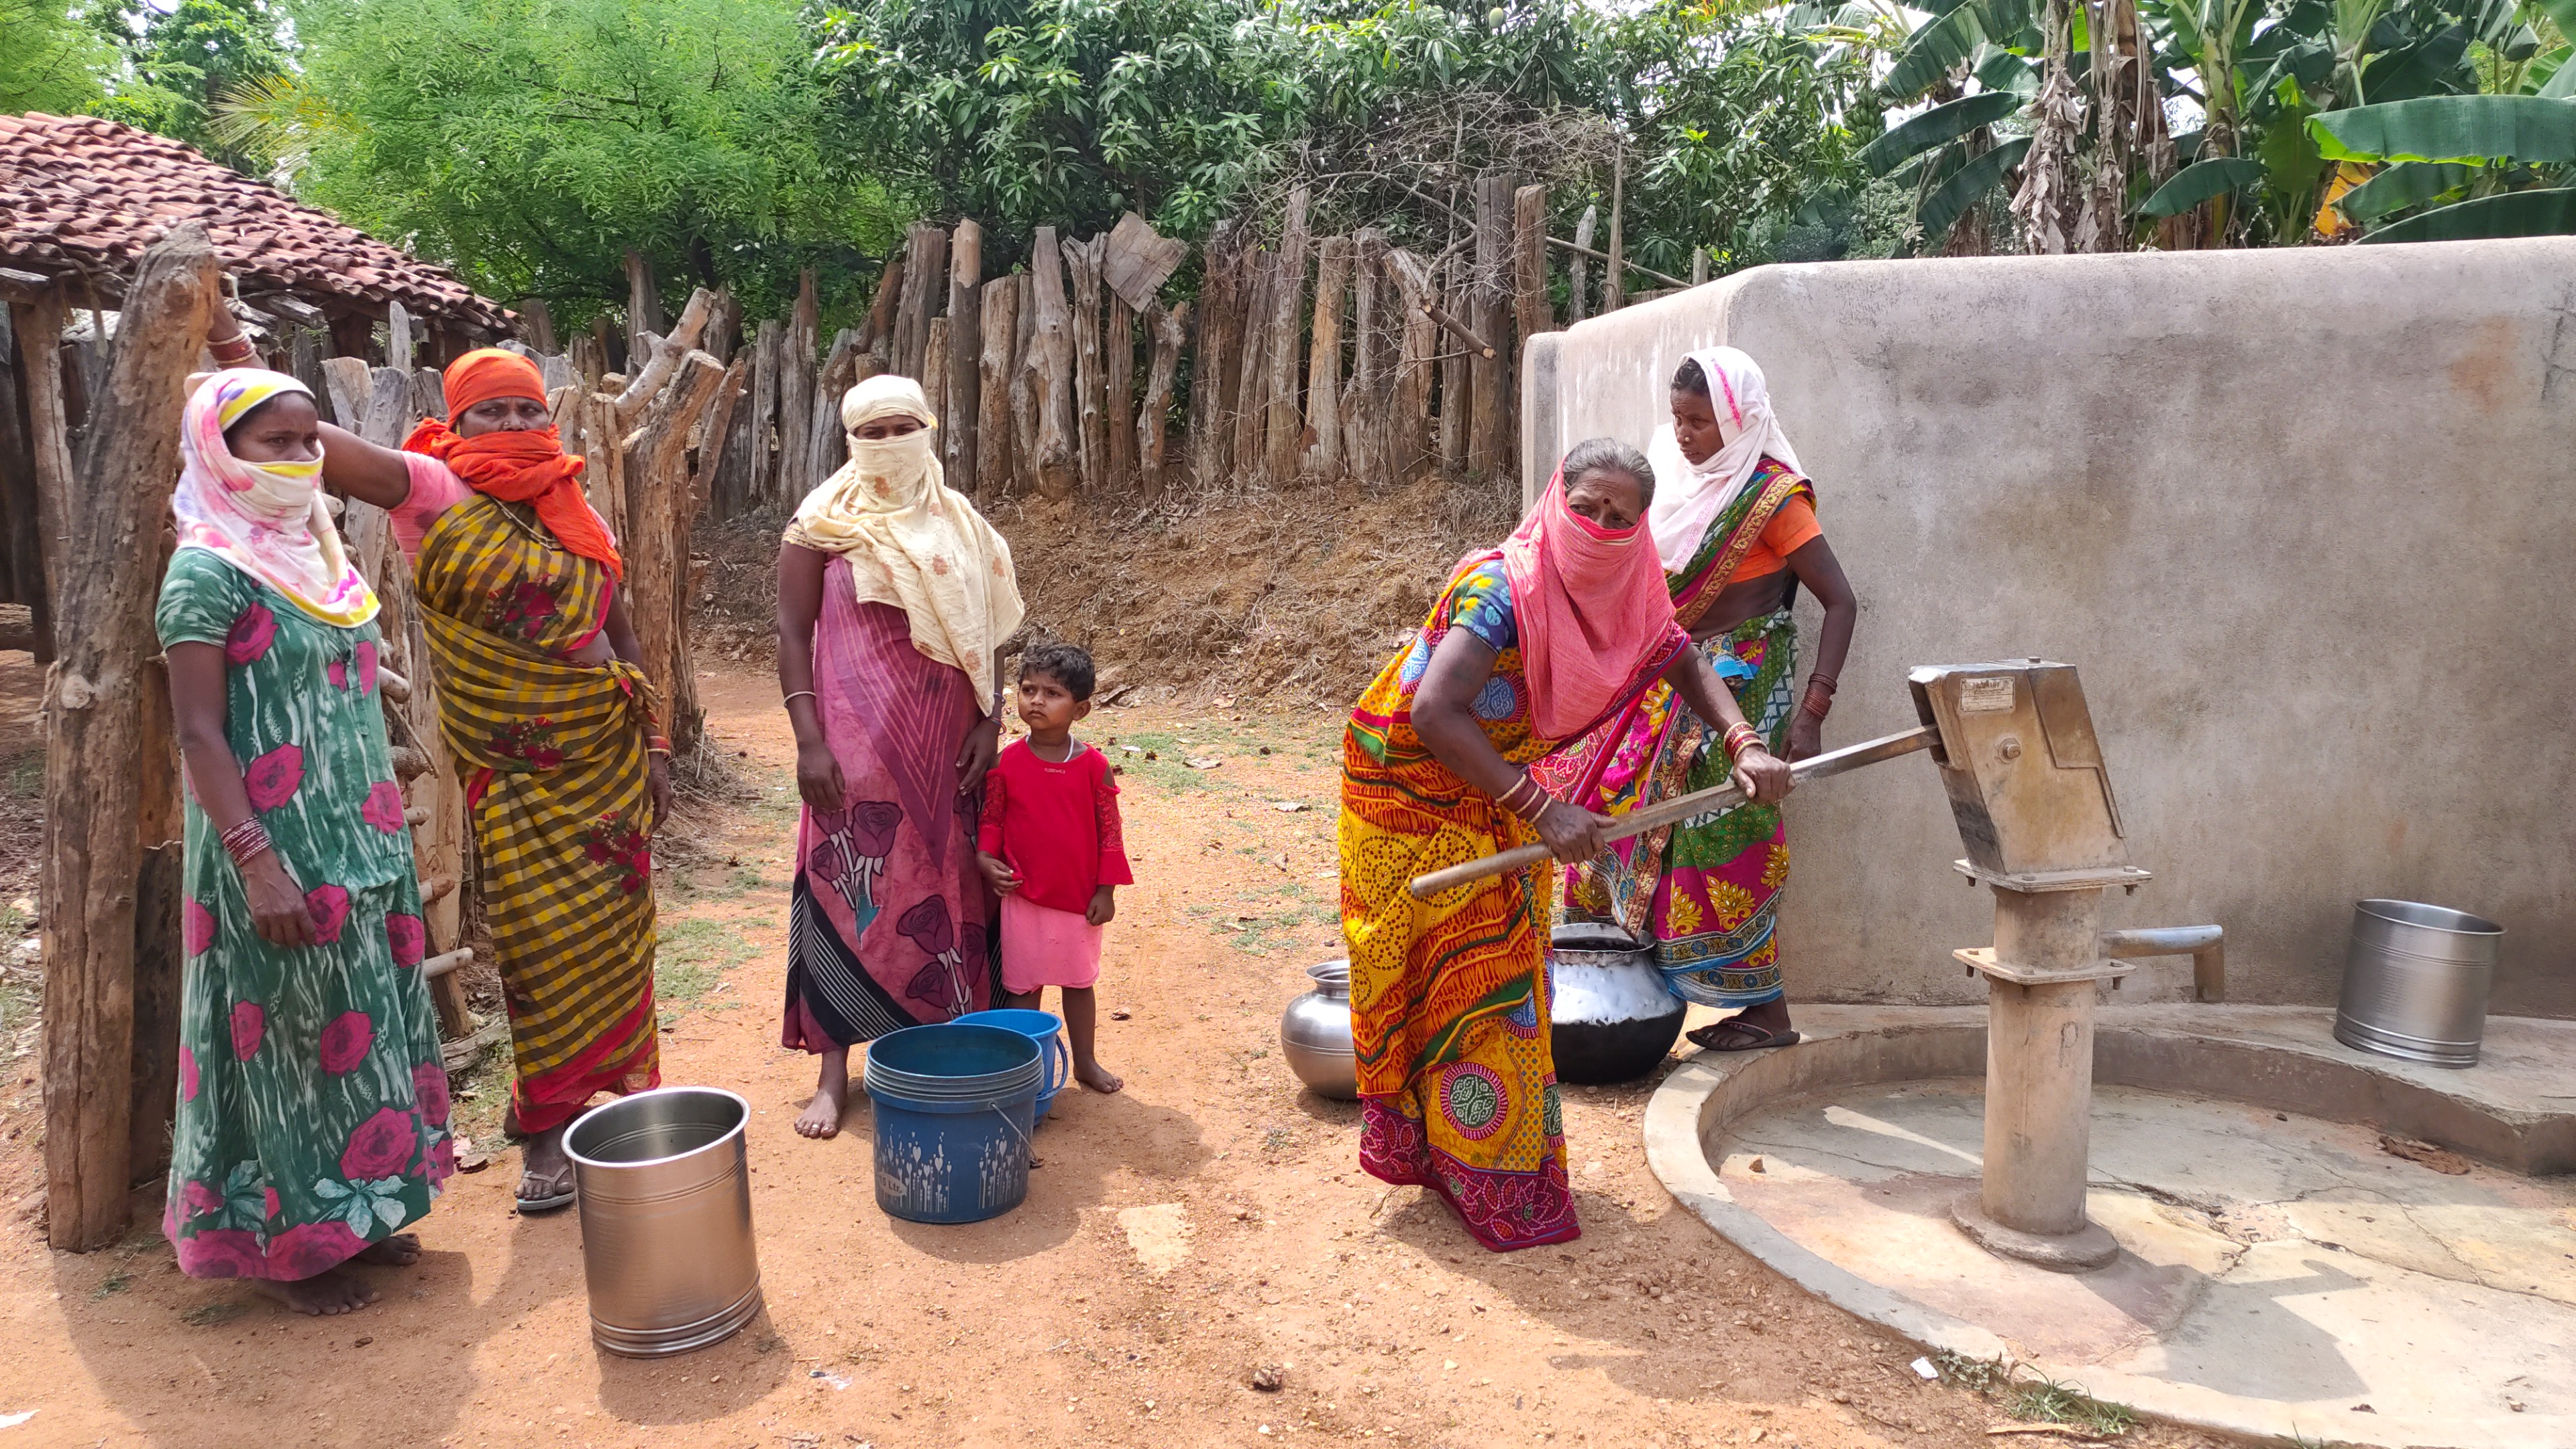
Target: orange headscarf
x=516, y=466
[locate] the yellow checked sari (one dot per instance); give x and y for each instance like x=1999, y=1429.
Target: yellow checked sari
x=557, y=787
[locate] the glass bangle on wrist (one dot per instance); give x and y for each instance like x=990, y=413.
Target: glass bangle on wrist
x=246, y=841
x=1741, y=737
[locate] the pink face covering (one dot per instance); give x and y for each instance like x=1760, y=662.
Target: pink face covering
x=1592, y=610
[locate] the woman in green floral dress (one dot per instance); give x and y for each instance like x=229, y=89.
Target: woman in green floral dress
x=313, y=1108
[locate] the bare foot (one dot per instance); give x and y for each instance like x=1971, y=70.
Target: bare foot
x=821, y=1118
x=545, y=1173
x=399, y=1251
x=327, y=1292
x=1097, y=1077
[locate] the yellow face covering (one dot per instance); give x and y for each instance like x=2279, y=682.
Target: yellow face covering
x=266, y=519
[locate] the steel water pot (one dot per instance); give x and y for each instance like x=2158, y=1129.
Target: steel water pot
x=1315, y=1034
x=2415, y=982
x=666, y=1243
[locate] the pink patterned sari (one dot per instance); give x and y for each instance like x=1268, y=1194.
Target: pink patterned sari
x=889, y=922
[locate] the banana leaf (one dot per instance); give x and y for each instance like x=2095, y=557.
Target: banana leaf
x=2002, y=70
x=2408, y=183
x=2199, y=182
x=2529, y=129
x=2562, y=79
x=1953, y=197
x=2549, y=212
x=1935, y=126
x=2429, y=67
x=2562, y=13
x=1932, y=52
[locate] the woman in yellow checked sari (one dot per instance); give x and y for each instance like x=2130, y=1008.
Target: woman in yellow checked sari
x=1529, y=646
x=547, y=714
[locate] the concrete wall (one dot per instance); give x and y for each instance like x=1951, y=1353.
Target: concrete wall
x=2303, y=518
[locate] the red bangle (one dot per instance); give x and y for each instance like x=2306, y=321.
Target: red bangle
x=1741, y=737
x=237, y=352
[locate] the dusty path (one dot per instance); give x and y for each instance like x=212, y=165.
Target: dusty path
x=1204, y=1223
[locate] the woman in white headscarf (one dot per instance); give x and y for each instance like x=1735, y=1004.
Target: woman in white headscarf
x=1735, y=524
x=894, y=600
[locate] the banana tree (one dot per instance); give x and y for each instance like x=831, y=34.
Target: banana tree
x=2458, y=167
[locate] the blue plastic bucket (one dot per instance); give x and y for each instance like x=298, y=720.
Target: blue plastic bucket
x=1044, y=1028
x=954, y=1108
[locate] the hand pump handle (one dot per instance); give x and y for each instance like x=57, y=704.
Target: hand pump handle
x=1680, y=808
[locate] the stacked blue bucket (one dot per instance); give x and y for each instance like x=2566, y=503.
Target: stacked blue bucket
x=955, y=1104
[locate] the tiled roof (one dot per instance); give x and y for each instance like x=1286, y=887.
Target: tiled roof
x=77, y=190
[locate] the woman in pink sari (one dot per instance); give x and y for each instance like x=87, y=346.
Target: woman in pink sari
x=894, y=598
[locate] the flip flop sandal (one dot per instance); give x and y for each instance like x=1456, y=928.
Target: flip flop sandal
x=555, y=1201
x=1736, y=1036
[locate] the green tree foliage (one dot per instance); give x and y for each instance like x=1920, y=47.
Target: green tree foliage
x=174, y=67
x=531, y=143
x=49, y=61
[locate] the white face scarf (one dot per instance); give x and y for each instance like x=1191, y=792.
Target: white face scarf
x=1689, y=496
x=266, y=519
x=942, y=564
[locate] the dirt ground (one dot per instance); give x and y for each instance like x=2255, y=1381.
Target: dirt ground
x=1207, y=1222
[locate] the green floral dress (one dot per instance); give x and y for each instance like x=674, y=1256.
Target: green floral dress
x=313, y=1107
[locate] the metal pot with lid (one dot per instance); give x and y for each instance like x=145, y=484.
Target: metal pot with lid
x=1610, y=1017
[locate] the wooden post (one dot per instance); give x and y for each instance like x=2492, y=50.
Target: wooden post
x=827, y=443
x=964, y=417
x=1211, y=442
x=24, y=546
x=934, y=361
x=998, y=319
x=1118, y=373
x=1614, y=286
x=1490, y=430
x=656, y=544
x=1577, y=270
x=715, y=431
x=1699, y=266
x=1168, y=327
x=1324, y=451
x=796, y=391
x=925, y=277
x=1408, y=427
x=107, y=515
x=1051, y=365
x=537, y=324
x=1024, y=389
x=1083, y=259
x=643, y=300
x=1531, y=312
x=654, y=368
x=1457, y=393
x=1286, y=423
x=884, y=314
x=400, y=341
x=724, y=329
x=1251, y=371
x=1373, y=351
x=761, y=482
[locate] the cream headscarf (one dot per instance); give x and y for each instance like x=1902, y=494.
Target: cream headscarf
x=1689, y=496
x=911, y=540
x=266, y=519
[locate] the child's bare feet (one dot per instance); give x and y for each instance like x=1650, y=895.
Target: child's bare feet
x=325, y=1293
x=1097, y=1077
x=399, y=1251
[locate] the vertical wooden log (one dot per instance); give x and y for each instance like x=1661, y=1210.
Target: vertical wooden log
x=656, y=543
x=827, y=443
x=1051, y=360
x=1168, y=327
x=1457, y=392
x=401, y=337
x=537, y=324
x=964, y=417
x=1373, y=353
x=796, y=391
x=1286, y=423
x=1408, y=431
x=1118, y=375
x=1699, y=266
x=761, y=484
x=643, y=300
x=724, y=328
x=107, y=514
x=1083, y=260
x=715, y=431
x=1209, y=396
x=1578, y=271
x=1251, y=368
x=934, y=360
x=1532, y=313
x=1324, y=452
x=1490, y=430
x=998, y=319
x=1614, y=285
x=1024, y=390
x=925, y=283
x=19, y=491
x=885, y=313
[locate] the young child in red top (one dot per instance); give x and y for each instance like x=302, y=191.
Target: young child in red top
x=1051, y=848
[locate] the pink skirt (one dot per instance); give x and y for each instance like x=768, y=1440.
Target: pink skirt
x=1042, y=946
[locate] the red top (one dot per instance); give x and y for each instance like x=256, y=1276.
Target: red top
x=1056, y=826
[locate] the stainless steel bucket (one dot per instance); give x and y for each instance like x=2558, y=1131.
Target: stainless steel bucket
x=2415, y=982
x=666, y=1220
